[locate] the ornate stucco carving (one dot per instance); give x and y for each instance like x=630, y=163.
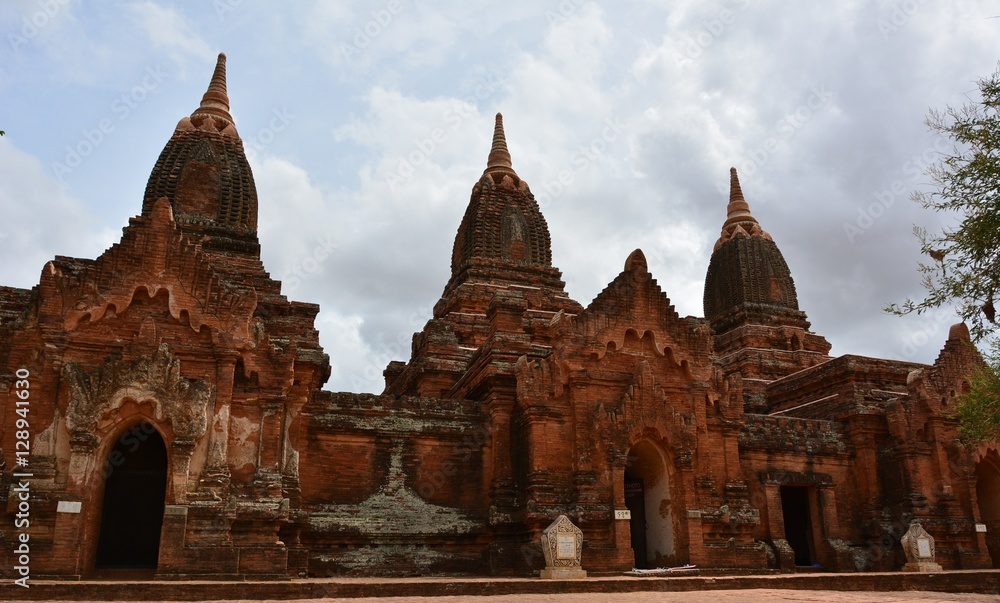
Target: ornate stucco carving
x=197, y=291
x=158, y=379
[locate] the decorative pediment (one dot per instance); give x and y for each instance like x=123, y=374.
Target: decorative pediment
x=933, y=391
x=153, y=256
x=634, y=302
x=956, y=363
x=642, y=405
x=157, y=379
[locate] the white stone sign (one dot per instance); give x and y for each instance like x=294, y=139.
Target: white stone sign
x=918, y=546
x=562, y=545
x=69, y=506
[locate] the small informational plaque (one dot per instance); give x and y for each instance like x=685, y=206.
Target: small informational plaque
x=566, y=546
x=562, y=546
x=981, y=527
x=923, y=547
x=623, y=514
x=69, y=506
x=918, y=546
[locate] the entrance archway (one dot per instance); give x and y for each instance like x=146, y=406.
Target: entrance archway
x=798, y=523
x=988, y=495
x=647, y=496
x=134, y=494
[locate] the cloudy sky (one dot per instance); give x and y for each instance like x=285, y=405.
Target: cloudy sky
x=368, y=123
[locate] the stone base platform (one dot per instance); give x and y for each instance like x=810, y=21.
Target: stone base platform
x=922, y=566
x=562, y=573
x=964, y=581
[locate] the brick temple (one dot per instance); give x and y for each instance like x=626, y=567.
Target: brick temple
x=178, y=423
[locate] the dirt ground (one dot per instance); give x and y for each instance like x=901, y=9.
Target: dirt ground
x=717, y=596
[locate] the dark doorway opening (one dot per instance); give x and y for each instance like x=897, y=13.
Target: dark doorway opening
x=798, y=523
x=635, y=502
x=988, y=495
x=134, y=494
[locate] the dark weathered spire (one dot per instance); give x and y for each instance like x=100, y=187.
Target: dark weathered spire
x=499, y=160
x=748, y=280
x=215, y=102
x=204, y=173
x=503, y=237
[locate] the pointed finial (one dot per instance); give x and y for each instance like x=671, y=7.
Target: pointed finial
x=499, y=159
x=215, y=102
x=738, y=216
x=499, y=155
x=738, y=209
x=960, y=332
x=636, y=262
x=735, y=192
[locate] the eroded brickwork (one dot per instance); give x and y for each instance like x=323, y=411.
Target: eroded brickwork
x=732, y=441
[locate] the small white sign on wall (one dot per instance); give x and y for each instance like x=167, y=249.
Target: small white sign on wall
x=69, y=506
x=623, y=514
x=980, y=527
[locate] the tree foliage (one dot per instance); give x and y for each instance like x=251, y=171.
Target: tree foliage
x=964, y=265
x=978, y=410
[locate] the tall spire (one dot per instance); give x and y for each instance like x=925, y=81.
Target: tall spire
x=499, y=160
x=748, y=283
x=738, y=216
x=203, y=170
x=215, y=102
x=739, y=209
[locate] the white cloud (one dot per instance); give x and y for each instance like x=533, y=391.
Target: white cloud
x=170, y=31
x=41, y=220
x=351, y=358
x=418, y=101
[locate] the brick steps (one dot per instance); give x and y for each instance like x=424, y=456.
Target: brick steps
x=968, y=581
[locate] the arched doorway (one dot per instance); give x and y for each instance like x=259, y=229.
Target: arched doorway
x=647, y=496
x=988, y=495
x=797, y=519
x=134, y=493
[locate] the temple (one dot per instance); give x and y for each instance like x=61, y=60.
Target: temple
x=175, y=422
